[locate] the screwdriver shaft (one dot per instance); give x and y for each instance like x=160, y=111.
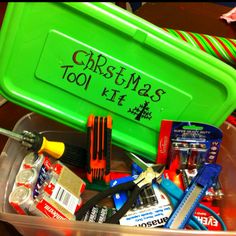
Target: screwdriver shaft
x=10, y=134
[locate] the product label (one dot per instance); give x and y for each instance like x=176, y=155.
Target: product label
x=42, y=176
x=50, y=211
x=65, y=198
x=19, y=209
x=207, y=219
x=102, y=79
x=153, y=216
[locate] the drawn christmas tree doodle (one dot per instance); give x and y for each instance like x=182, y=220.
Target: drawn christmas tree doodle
x=141, y=112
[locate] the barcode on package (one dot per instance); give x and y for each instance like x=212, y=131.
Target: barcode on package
x=65, y=198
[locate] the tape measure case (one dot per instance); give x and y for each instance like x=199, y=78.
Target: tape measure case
x=69, y=60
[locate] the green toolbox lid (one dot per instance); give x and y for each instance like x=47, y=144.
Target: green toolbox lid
x=69, y=60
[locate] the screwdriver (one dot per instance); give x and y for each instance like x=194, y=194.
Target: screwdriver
x=70, y=154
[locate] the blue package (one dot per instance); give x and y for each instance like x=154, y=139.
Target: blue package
x=136, y=169
x=121, y=197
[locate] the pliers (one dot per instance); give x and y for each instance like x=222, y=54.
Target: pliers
x=175, y=194
x=152, y=173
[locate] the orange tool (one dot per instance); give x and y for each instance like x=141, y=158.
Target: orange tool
x=99, y=148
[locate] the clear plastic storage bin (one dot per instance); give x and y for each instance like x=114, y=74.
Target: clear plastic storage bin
x=13, y=154
x=83, y=58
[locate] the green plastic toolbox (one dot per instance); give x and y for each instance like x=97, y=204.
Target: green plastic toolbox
x=69, y=60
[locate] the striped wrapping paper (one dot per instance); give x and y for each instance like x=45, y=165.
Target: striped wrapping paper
x=222, y=48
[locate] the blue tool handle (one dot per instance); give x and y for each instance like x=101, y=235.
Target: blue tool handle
x=207, y=175
x=115, y=219
x=192, y=196
x=175, y=195
x=179, y=211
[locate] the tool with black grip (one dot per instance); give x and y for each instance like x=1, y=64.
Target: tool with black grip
x=69, y=154
x=144, y=180
x=99, y=148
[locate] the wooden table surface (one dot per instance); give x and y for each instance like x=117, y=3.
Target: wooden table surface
x=199, y=17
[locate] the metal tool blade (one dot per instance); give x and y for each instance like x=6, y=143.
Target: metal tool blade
x=136, y=159
x=11, y=134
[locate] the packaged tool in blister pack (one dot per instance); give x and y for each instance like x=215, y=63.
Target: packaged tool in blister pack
x=188, y=144
x=184, y=147
x=99, y=148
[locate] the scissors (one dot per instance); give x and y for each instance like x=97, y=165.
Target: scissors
x=150, y=174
